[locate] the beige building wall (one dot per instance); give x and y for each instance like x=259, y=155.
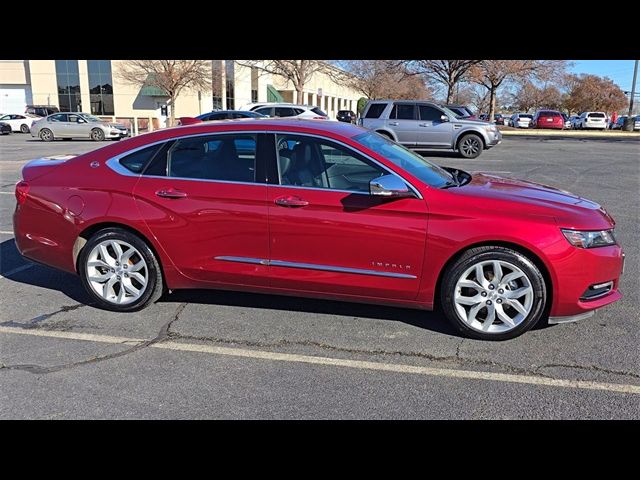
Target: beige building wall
x=12, y=72
x=44, y=86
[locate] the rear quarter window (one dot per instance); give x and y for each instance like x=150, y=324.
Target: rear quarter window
x=375, y=110
x=137, y=161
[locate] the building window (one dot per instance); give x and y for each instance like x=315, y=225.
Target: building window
x=230, y=83
x=254, y=84
x=216, y=84
x=100, y=87
x=68, y=86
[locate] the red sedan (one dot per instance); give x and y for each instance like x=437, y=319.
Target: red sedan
x=547, y=119
x=316, y=209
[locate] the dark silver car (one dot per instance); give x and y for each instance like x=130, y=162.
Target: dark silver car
x=424, y=125
x=77, y=125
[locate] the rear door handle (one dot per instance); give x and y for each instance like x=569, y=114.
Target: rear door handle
x=171, y=193
x=291, y=201
x=423, y=125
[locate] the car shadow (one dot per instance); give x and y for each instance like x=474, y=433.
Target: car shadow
x=12, y=263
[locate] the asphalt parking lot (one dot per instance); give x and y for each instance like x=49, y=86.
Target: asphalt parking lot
x=208, y=354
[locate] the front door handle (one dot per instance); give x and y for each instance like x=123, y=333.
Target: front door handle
x=291, y=201
x=394, y=124
x=171, y=193
x=423, y=125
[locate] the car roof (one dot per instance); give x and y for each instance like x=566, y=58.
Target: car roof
x=283, y=123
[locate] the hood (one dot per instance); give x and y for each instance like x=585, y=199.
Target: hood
x=114, y=125
x=525, y=197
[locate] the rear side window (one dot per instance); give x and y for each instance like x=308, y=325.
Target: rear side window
x=136, y=161
x=216, y=157
x=317, y=111
x=285, y=112
x=375, y=110
x=403, y=111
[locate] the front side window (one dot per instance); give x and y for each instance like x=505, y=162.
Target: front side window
x=61, y=117
x=306, y=161
x=284, y=112
x=74, y=118
x=415, y=164
x=268, y=111
x=215, y=157
x=430, y=113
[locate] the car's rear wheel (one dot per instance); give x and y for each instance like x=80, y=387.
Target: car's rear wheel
x=470, y=146
x=24, y=128
x=97, y=135
x=119, y=271
x=46, y=135
x=493, y=293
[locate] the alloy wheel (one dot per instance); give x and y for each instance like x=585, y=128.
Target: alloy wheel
x=470, y=146
x=493, y=296
x=117, y=272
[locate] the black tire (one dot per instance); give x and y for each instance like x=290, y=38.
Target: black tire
x=479, y=254
x=117, y=139
x=24, y=128
x=67, y=139
x=154, y=286
x=470, y=145
x=97, y=135
x=46, y=135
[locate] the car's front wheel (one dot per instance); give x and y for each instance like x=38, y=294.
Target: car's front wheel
x=119, y=271
x=493, y=293
x=470, y=146
x=97, y=135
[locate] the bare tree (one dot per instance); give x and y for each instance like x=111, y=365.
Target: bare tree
x=298, y=72
x=377, y=79
x=591, y=92
x=170, y=76
x=492, y=74
x=446, y=72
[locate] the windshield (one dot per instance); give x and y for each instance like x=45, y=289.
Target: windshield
x=457, y=113
x=419, y=167
x=91, y=118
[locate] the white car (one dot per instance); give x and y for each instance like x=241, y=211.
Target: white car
x=287, y=110
x=520, y=120
x=19, y=123
x=592, y=120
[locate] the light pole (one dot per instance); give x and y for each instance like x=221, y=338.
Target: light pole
x=628, y=124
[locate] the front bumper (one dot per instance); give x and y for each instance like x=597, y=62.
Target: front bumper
x=493, y=138
x=577, y=269
x=116, y=133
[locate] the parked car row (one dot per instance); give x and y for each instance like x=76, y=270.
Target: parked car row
x=620, y=122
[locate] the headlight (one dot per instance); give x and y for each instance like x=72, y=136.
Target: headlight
x=589, y=239
x=490, y=128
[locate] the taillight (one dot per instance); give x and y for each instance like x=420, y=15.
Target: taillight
x=22, y=190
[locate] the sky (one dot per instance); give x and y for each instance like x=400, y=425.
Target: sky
x=620, y=71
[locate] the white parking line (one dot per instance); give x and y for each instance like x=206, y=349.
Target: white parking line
x=6, y=232
x=16, y=270
x=7, y=193
x=336, y=362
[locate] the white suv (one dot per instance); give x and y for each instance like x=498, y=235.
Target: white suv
x=286, y=110
x=592, y=120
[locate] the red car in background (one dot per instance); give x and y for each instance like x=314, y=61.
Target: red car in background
x=547, y=119
x=316, y=209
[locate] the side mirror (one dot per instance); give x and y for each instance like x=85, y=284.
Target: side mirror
x=390, y=186
x=82, y=120
x=444, y=118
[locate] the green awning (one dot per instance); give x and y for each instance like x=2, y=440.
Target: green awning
x=273, y=95
x=148, y=90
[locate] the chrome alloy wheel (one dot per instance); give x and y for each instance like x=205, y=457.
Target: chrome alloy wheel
x=493, y=296
x=117, y=272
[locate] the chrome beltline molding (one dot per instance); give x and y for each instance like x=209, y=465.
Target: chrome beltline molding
x=313, y=266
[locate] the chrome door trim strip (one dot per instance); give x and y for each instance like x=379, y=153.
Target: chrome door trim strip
x=330, y=268
x=314, y=266
x=255, y=261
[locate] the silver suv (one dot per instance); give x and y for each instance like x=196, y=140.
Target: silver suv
x=422, y=125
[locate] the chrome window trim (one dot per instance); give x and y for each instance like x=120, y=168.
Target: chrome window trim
x=315, y=266
x=114, y=162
